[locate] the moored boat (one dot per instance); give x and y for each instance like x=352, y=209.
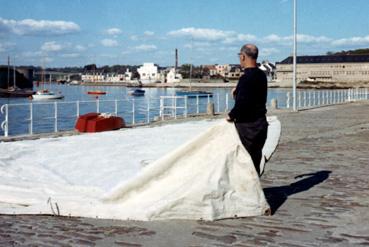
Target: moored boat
x=96, y=92
x=137, y=92
x=46, y=95
x=194, y=93
x=18, y=92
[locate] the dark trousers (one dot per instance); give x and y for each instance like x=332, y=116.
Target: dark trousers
x=253, y=136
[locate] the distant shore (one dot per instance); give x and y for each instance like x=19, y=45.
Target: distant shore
x=198, y=83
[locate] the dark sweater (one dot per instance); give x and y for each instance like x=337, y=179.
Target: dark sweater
x=250, y=96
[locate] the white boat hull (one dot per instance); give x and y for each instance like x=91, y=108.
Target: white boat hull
x=46, y=97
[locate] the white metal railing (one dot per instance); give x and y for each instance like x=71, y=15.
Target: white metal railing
x=317, y=98
x=4, y=125
x=133, y=111
x=62, y=114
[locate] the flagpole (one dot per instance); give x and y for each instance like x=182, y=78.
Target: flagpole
x=294, y=56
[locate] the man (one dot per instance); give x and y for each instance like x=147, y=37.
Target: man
x=249, y=110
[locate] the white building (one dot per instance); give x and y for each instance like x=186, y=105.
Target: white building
x=148, y=73
x=173, y=77
x=102, y=77
x=223, y=69
x=93, y=77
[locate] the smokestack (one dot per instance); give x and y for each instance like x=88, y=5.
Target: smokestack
x=176, y=66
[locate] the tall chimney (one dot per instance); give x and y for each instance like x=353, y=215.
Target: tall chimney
x=176, y=66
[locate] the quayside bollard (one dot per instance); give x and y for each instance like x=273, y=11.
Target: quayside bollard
x=274, y=104
x=210, y=109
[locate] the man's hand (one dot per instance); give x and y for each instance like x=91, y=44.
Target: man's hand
x=229, y=119
x=233, y=93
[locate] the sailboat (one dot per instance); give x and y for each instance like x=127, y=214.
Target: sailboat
x=191, y=93
x=14, y=91
x=45, y=94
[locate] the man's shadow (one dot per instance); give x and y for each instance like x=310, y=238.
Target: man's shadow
x=276, y=196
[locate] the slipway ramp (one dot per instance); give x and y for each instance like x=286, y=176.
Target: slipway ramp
x=210, y=177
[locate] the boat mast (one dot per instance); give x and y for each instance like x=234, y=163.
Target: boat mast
x=191, y=63
x=14, y=74
x=8, y=71
x=294, y=56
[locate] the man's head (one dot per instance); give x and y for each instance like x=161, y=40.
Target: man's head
x=248, y=55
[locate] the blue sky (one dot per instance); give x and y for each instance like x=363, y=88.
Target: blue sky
x=78, y=32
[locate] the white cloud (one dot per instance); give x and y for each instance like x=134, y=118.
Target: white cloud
x=113, y=31
x=265, y=52
x=240, y=38
x=109, y=42
x=32, y=54
x=352, y=41
x=145, y=48
x=202, y=33
x=149, y=33
x=301, y=38
x=51, y=46
x=304, y=38
x=71, y=55
x=38, y=27
x=198, y=45
x=133, y=37
x=213, y=35
x=6, y=46
x=80, y=48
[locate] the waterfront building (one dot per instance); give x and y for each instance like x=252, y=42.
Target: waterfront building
x=93, y=77
x=148, y=73
x=106, y=77
x=173, y=76
x=212, y=70
x=235, y=72
x=223, y=69
x=269, y=70
x=325, y=68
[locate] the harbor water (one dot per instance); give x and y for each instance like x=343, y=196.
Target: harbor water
x=116, y=101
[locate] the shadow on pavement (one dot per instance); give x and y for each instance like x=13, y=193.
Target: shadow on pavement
x=276, y=196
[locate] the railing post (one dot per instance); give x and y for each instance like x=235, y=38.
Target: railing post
x=197, y=105
x=116, y=107
x=366, y=93
x=31, y=119
x=133, y=112
x=97, y=105
x=332, y=97
x=288, y=100
x=55, y=116
x=348, y=94
x=309, y=99
x=226, y=109
x=5, y=124
x=77, y=106
x=186, y=109
x=148, y=111
x=314, y=98
x=218, y=103
x=208, y=98
x=161, y=111
x=175, y=107
x=299, y=98
x=319, y=98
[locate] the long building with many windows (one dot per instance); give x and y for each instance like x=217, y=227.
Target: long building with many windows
x=329, y=68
